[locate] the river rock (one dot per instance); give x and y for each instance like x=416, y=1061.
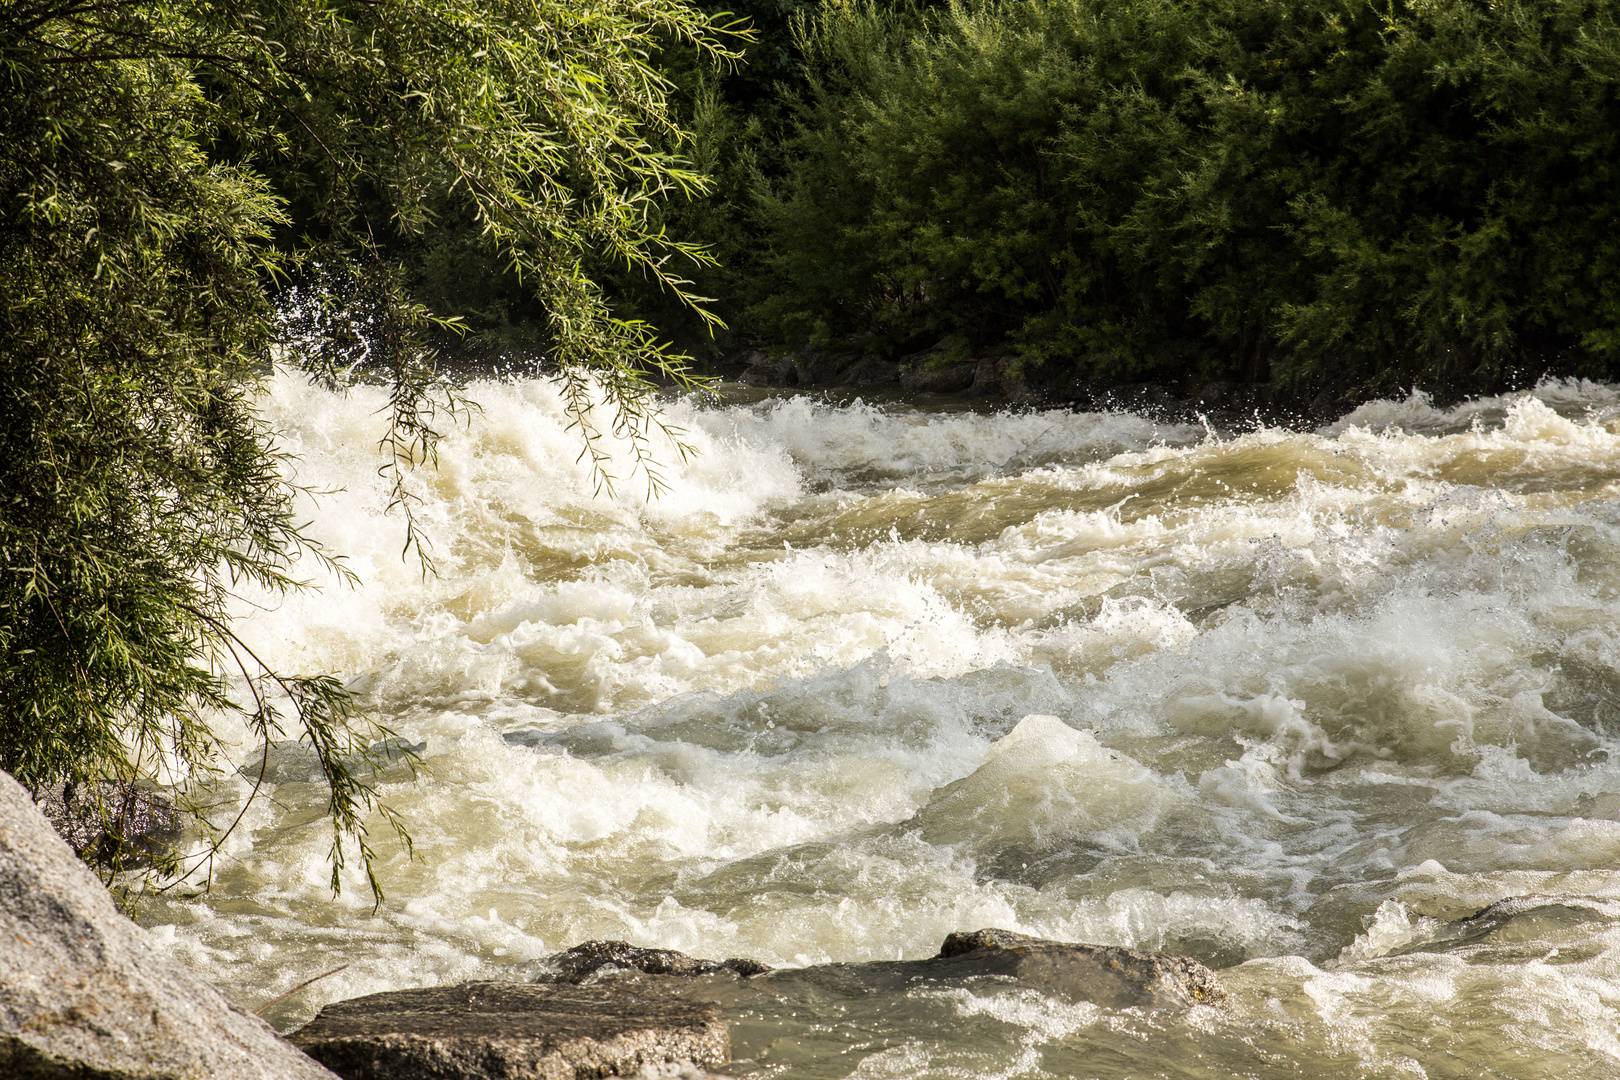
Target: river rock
x=111, y=824
x=818, y=367
x=765, y=370
x=551, y=1031
x=575, y=964
x=872, y=371
x=986, y=376
x=937, y=378
x=84, y=993
x=943, y=368
x=1103, y=974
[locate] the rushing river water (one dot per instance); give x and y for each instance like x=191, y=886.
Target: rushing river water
x=1297, y=704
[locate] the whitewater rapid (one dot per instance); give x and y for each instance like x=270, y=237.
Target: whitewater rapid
x=1296, y=703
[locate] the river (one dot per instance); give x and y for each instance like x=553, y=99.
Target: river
x=1300, y=704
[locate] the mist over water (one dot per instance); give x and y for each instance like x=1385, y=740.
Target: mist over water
x=1299, y=704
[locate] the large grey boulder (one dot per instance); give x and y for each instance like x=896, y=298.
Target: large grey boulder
x=85, y=994
x=550, y=1031
x=1102, y=974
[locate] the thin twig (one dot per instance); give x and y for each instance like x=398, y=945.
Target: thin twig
x=283, y=997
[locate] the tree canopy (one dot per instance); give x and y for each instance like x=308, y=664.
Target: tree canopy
x=192, y=192
x=1307, y=193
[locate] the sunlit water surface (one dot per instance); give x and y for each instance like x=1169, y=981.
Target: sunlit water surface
x=1322, y=695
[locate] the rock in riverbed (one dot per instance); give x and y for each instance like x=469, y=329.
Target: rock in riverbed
x=1103, y=974
x=608, y=1008
x=554, y=1031
x=575, y=964
x=112, y=824
x=83, y=993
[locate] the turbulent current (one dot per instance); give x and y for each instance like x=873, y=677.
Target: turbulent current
x=1333, y=711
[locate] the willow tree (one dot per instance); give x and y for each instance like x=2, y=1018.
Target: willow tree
x=175, y=177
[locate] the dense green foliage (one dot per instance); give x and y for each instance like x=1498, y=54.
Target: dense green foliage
x=1302, y=192
x=191, y=190
x=734, y=119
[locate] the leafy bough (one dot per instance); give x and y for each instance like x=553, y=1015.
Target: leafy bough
x=194, y=192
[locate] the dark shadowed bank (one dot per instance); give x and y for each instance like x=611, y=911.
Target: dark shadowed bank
x=949, y=376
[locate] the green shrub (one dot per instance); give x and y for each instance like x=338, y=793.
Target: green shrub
x=1303, y=192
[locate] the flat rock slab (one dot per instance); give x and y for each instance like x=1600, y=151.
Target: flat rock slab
x=1102, y=974
x=85, y=994
x=516, y=1031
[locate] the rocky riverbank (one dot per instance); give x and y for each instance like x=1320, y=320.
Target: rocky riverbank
x=951, y=368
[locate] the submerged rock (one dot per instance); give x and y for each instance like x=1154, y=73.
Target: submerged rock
x=1102, y=974
x=83, y=993
x=575, y=964
x=550, y=1031
x=677, y=1071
